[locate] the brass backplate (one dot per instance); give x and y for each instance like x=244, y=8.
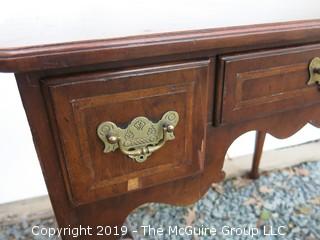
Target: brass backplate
x=140, y=138
x=314, y=69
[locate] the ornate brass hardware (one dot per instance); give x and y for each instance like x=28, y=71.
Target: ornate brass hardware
x=140, y=138
x=314, y=69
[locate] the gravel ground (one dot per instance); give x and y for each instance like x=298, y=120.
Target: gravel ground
x=286, y=200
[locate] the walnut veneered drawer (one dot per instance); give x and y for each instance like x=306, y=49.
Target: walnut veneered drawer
x=79, y=104
x=262, y=83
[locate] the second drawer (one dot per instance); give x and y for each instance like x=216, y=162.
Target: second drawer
x=262, y=83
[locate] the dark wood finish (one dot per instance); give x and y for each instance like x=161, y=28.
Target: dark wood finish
x=189, y=44
x=68, y=89
x=262, y=83
x=258, y=149
x=78, y=104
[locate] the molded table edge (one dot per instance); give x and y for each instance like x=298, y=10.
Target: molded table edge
x=82, y=53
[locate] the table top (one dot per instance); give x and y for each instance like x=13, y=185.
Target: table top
x=41, y=35
x=35, y=22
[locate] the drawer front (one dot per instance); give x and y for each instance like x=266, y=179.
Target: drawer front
x=78, y=105
x=262, y=83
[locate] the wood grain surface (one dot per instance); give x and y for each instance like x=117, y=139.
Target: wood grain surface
x=199, y=43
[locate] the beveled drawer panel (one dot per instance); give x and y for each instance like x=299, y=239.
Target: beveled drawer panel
x=266, y=82
x=79, y=104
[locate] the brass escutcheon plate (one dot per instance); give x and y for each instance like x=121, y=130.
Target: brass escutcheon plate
x=314, y=69
x=140, y=138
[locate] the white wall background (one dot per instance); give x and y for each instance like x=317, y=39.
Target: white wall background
x=20, y=173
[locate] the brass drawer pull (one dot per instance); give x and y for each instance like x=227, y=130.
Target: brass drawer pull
x=314, y=69
x=140, y=138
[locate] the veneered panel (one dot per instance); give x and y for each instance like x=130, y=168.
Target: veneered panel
x=262, y=83
x=78, y=104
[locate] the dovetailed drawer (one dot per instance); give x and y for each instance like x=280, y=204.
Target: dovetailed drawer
x=262, y=83
x=79, y=104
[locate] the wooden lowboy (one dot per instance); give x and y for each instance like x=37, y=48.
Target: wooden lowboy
x=123, y=118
